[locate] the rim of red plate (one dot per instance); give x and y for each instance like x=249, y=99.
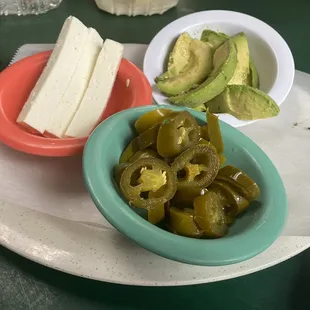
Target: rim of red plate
x=19, y=139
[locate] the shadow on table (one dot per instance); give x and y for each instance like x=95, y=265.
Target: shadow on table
x=27, y=285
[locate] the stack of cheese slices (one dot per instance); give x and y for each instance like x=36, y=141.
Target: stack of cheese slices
x=74, y=87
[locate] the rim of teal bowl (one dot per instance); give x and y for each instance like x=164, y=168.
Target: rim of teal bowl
x=216, y=252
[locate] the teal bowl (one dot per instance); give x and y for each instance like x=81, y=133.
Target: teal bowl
x=251, y=234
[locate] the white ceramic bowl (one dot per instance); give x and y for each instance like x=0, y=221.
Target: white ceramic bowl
x=270, y=53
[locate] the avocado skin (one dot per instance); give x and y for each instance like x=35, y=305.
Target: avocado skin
x=178, y=58
x=215, y=83
x=244, y=102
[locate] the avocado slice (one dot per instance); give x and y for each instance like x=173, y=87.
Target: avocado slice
x=217, y=39
x=195, y=72
x=178, y=58
x=243, y=57
x=214, y=38
x=244, y=102
x=252, y=78
x=224, y=63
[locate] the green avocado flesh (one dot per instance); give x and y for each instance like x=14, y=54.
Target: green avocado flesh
x=178, y=58
x=195, y=71
x=215, y=73
x=253, y=78
x=244, y=102
x=243, y=57
x=217, y=38
x=224, y=65
x=214, y=38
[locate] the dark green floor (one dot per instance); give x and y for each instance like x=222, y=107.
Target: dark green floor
x=26, y=285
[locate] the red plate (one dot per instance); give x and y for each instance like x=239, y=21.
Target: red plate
x=16, y=83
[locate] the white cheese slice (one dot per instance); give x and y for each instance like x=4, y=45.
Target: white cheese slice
x=53, y=82
x=99, y=90
x=71, y=99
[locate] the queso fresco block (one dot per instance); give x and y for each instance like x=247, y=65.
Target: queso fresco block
x=54, y=80
x=75, y=86
x=71, y=100
x=98, y=91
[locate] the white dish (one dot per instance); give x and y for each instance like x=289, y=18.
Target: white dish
x=52, y=220
x=270, y=53
x=102, y=253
